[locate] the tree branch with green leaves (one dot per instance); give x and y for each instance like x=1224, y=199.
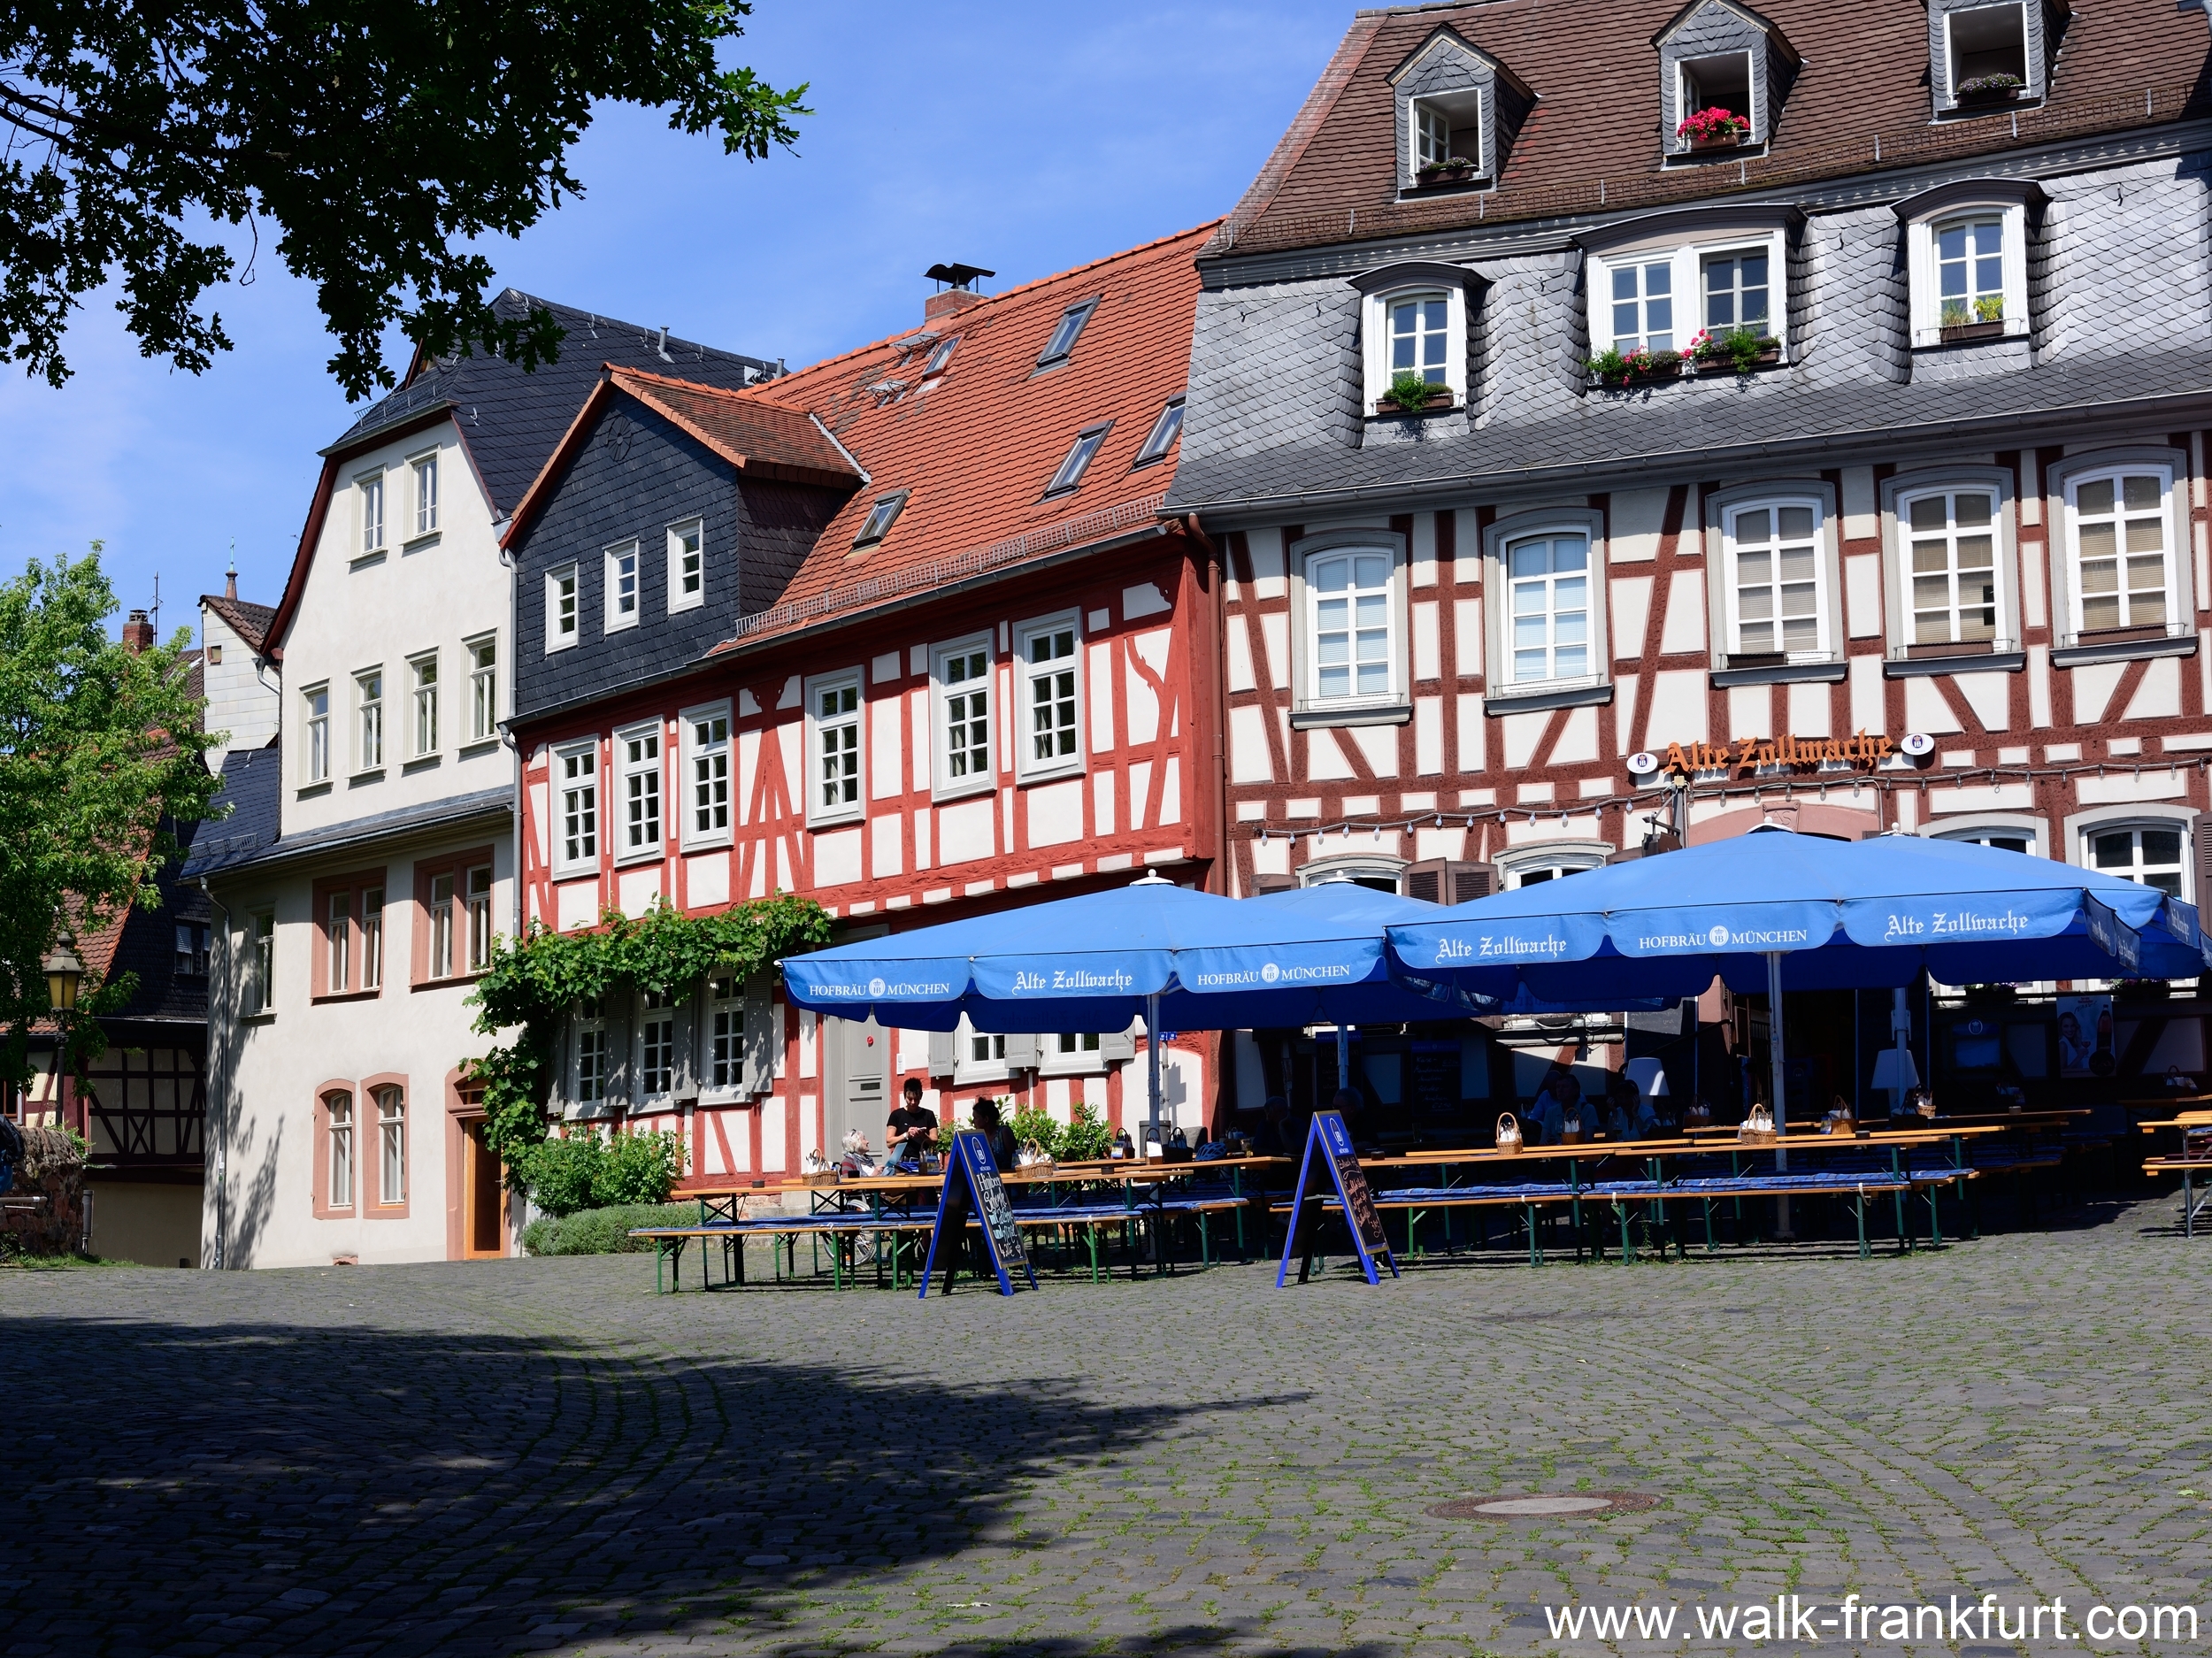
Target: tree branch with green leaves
x=372, y=136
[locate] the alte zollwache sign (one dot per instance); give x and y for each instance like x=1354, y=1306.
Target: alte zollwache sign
x=1758, y=753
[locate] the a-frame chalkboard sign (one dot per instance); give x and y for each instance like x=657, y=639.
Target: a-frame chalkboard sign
x=973, y=1187
x=1330, y=1166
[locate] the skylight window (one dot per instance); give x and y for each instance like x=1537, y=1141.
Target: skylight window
x=1079, y=460
x=1064, y=337
x=880, y=519
x=941, y=356
x=1165, y=430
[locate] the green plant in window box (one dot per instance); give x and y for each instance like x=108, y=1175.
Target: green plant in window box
x=1990, y=308
x=1739, y=349
x=1410, y=393
x=1450, y=169
x=1618, y=369
x=1990, y=88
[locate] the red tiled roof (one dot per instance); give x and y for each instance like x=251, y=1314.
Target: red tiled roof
x=977, y=445
x=250, y=621
x=1592, y=140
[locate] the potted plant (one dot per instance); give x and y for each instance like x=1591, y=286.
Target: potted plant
x=1986, y=315
x=1619, y=370
x=1736, y=351
x=1450, y=169
x=1983, y=89
x=1713, y=128
x=1411, y=393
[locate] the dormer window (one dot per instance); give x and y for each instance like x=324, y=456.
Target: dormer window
x=1413, y=320
x=1983, y=56
x=1723, y=71
x=1689, y=280
x=1967, y=260
x=879, y=520
x=1458, y=109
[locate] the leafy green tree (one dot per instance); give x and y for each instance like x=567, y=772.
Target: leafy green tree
x=100, y=748
x=372, y=134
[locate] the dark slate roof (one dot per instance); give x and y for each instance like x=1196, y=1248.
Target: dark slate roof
x=511, y=419
x=460, y=808
x=250, y=621
x=249, y=789
x=1615, y=436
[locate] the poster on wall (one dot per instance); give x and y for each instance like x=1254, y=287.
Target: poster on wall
x=2084, y=1037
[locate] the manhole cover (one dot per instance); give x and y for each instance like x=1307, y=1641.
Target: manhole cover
x=1543, y=1505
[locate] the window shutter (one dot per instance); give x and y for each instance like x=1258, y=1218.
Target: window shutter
x=2200, y=833
x=941, y=1052
x=1118, y=1045
x=1449, y=881
x=758, y=1074
x=1273, y=884
x=1021, y=1052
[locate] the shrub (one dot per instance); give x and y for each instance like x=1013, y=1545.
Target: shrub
x=1030, y=1124
x=581, y=1170
x=559, y=1172
x=1086, y=1137
x=1410, y=390
x=640, y=1169
x=603, y=1231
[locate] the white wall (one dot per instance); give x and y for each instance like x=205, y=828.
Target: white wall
x=242, y=697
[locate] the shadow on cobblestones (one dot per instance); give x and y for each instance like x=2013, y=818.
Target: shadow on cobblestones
x=256, y=1487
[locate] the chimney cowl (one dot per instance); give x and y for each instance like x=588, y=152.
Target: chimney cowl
x=138, y=633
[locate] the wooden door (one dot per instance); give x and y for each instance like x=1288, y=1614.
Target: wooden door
x=484, y=1219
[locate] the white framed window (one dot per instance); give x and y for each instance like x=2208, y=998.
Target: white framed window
x=979, y=1055
x=2153, y=855
x=368, y=492
x=1442, y=125
x=422, y=674
x=440, y=963
x=686, y=565
x=655, y=1044
x=638, y=756
x=1161, y=440
x=1431, y=136
x=622, y=587
x=576, y=773
x=706, y=806
x=1531, y=866
x=1983, y=40
x=479, y=910
x=2118, y=525
x=483, y=660
x=338, y=935
x=1348, y=633
x=391, y=1134
x=1735, y=285
x=1068, y=476
x=1779, y=605
x=1641, y=305
x=591, y=1069
x=1718, y=80
x=261, y=962
x=833, y=745
x=561, y=602
x=1967, y=262
x=368, y=703
x=2023, y=835
x=1377, y=873
x=424, y=469
x=961, y=688
x=1071, y=1054
x=1951, y=560
x=315, y=734
x=1548, y=591
x=372, y=937
x=1048, y=671
x=338, y=1115
x=1413, y=317
x=725, y=1036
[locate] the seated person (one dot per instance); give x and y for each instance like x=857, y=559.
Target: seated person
x=1274, y=1138
x=1620, y=1107
x=1644, y=1122
x=993, y=1130
x=912, y=1129
x=1548, y=1113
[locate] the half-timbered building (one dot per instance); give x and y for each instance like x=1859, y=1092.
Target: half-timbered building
x=904, y=632
x=1806, y=406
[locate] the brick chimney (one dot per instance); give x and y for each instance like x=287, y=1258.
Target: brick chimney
x=138, y=633
x=940, y=307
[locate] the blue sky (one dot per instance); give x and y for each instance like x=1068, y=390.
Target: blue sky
x=1022, y=138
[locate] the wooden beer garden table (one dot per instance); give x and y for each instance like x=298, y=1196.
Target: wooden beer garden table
x=2195, y=1158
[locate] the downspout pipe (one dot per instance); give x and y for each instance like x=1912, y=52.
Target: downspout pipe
x=218, y=982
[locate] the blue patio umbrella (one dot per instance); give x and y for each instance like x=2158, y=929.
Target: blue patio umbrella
x=1775, y=911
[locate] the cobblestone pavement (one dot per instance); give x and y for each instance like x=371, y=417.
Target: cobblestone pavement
x=541, y=1455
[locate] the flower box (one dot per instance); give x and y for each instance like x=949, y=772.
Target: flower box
x=1960, y=332
x=1980, y=95
x=1721, y=363
x=1640, y=369
x=1725, y=140
x=1457, y=172
x=1440, y=401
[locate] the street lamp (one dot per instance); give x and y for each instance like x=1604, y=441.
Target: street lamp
x=64, y=972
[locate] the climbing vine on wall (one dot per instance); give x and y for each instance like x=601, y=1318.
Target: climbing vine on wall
x=534, y=981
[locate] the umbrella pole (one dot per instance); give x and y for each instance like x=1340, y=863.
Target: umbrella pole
x=1152, y=1066
x=1343, y=1056
x=1775, y=1069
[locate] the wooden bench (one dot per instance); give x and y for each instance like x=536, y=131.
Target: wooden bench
x=2188, y=1169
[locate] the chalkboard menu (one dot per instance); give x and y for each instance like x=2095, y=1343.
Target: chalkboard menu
x=1330, y=1166
x=1436, y=1078
x=973, y=1187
